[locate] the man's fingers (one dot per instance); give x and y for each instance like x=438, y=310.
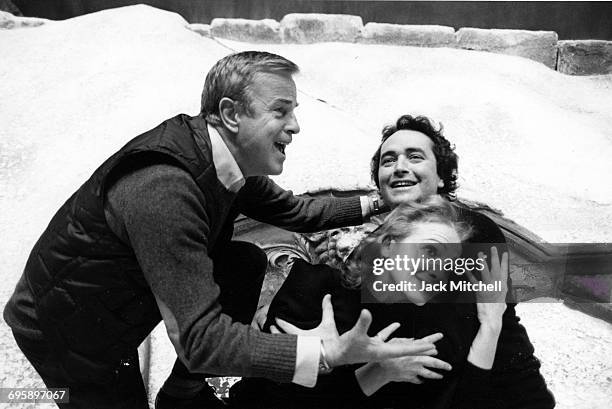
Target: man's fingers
x=274, y=330
x=386, y=332
x=432, y=338
x=426, y=373
x=363, y=323
x=288, y=328
x=429, y=352
x=398, y=349
x=425, y=344
x=400, y=340
x=328, y=311
x=436, y=363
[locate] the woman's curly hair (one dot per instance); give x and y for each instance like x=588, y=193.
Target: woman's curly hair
x=446, y=158
x=398, y=225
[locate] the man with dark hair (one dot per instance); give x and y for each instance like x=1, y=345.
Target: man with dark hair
x=446, y=158
x=148, y=237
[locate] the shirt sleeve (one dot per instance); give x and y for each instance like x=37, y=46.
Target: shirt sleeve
x=307, y=361
x=161, y=212
x=265, y=201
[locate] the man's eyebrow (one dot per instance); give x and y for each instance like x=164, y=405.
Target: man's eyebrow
x=394, y=152
x=388, y=152
x=285, y=101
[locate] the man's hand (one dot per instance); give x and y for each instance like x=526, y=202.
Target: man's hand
x=374, y=375
x=326, y=250
x=355, y=346
x=410, y=368
x=339, y=243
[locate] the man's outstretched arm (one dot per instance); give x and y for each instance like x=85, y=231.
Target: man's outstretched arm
x=162, y=213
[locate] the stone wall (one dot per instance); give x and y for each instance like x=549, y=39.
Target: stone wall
x=580, y=57
x=585, y=57
x=572, y=57
x=539, y=46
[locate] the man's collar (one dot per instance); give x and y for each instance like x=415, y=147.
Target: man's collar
x=228, y=171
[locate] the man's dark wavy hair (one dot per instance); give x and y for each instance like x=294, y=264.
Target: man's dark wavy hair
x=446, y=158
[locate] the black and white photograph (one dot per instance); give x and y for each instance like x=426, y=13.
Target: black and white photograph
x=305, y=204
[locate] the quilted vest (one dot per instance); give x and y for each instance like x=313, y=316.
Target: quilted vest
x=92, y=301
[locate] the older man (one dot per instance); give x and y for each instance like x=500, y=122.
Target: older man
x=148, y=236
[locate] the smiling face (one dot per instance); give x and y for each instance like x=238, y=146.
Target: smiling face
x=266, y=127
x=407, y=170
x=427, y=240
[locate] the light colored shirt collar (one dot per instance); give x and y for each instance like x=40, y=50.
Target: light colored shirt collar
x=228, y=171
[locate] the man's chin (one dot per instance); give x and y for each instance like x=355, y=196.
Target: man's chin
x=397, y=200
x=276, y=170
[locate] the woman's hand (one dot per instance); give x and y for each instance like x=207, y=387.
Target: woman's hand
x=355, y=346
x=492, y=304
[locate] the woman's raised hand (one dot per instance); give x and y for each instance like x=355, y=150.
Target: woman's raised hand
x=492, y=304
x=355, y=346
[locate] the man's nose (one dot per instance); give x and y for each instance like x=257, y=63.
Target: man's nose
x=402, y=165
x=292, y=126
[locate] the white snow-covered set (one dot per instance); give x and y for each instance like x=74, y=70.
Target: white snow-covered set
x=532, y=142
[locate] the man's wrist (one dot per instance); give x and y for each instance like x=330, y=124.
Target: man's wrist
x=307, y=361
x=366, y=207
x=324, y=365
x=371, y=205
x=375, y=203
x=380, y=373
x=371, y=377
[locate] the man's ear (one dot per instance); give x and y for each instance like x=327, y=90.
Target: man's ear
x=228, y=111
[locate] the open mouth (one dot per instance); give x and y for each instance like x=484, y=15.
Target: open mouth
x=403, y=183
x=280, y=146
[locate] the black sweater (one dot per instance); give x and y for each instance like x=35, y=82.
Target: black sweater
x=514, y=381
